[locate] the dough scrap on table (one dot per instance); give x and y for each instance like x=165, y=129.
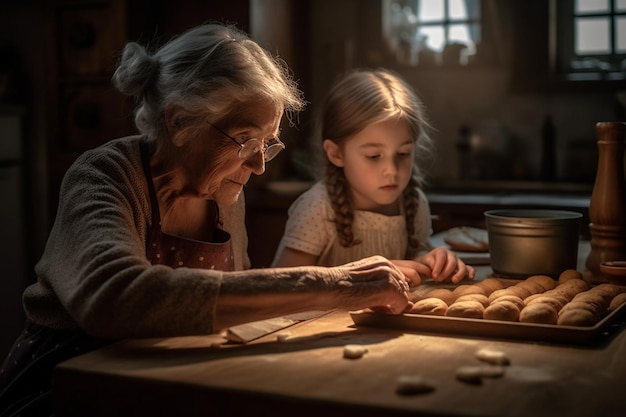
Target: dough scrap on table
x=474, y=374
x=494, y=357
x=413, y=384
x=354, y=351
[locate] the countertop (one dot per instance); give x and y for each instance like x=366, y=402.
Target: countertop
x=307, y=375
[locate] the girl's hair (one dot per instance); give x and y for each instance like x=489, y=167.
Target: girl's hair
x=361, y=98
x=204, y=74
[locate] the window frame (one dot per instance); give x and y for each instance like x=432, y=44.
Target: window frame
x=472, y=21
x=562, y=45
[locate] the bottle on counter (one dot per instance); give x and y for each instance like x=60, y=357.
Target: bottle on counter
x=548, y=150
x=607, y=206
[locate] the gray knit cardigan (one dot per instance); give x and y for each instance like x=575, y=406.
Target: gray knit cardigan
x=94, y=274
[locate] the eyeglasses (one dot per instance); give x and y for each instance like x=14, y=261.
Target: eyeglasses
x=253, y=146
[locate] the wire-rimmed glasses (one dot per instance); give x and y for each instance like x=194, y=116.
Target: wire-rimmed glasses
x=253, y=146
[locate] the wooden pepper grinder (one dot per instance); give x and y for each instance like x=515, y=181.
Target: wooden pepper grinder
x=607, y=207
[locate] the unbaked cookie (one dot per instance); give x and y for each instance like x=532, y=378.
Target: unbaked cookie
x=502, y=310
x=430, y=306
x=538, y=313
x=466, y=309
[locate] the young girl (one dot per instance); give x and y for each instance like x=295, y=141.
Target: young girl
x=369, y=200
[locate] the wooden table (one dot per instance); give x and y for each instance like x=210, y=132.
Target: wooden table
x=307, y=375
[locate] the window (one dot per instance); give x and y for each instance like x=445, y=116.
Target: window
x=591, y=39
x=432, y=32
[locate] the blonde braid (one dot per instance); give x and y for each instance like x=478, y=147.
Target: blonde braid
x=411, y=204
x=344, y=214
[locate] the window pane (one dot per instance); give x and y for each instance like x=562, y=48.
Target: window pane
x=592, y=6
x=620, y=35
x=457, y=9
x=459, y=33
x=434, y=37
x=430, y=10
x=592, y=36
x=620, y=5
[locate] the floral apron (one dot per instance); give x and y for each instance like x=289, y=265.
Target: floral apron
x=26, y=374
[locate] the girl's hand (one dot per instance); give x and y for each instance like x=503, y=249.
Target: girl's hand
x=446, y=266
x=414, y=272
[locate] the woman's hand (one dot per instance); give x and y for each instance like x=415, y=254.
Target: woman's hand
x=446, y=266
x=375, y=282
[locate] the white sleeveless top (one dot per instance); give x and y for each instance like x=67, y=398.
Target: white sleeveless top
x=311, y=229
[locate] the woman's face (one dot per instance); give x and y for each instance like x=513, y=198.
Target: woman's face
x=213, y=169
x=377, y=163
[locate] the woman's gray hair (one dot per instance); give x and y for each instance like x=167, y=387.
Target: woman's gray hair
x=204, y=73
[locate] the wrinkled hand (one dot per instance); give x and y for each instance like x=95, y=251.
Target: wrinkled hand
x=444, y=265
x=375, y=282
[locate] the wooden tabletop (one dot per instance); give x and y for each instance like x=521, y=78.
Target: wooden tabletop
x=306, y=374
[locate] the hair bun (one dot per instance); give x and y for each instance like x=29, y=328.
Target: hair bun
x=135, y=70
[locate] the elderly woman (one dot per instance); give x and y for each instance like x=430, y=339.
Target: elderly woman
x=149, y=239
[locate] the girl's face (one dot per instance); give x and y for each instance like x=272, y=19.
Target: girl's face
x=213, y=168
x=377, y=163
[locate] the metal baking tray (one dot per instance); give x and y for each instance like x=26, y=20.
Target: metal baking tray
x=455, y=326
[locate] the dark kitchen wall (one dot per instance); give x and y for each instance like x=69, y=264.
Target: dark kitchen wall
x=504, y=99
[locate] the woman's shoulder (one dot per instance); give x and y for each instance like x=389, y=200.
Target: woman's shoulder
x=121, y=148
x=117, y=156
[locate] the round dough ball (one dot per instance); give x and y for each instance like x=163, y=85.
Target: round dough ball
x=577, y=317
x=538, y=313
x=544, y=281
x=497, y=294
x=569, y=274
x=532, y=287
x=467, y=309
x=617, y=301
x=430, y=306
x=608, y=291
x=490, y=285
x=443, y=294
x=598, y=302
x=572, y=287
x=465, y=289
x=481, y=298
x=502, y=310
x=596, y=310
x=556, y=301
x=513, y=299
x=520, y=291
x=528, y=299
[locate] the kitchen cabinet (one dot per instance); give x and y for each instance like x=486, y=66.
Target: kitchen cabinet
x=84, y=42
x=84, y=110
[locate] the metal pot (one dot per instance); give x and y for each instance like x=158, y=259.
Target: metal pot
x=525, y=242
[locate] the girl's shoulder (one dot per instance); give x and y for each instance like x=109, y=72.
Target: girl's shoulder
x=313, y=199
